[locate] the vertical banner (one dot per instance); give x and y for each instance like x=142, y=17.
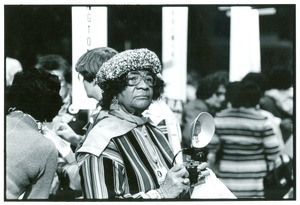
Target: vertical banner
x=174, y=55
x=89, y=30
x=244, y=42
x=174, y=51
x=174, y=60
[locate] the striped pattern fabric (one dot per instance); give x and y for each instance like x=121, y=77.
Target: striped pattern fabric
x=245, y=140
x=163, y=127
x=126, y=168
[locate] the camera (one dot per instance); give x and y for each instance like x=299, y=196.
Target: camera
x=195, y=156
x=201, y=132
x=191, y=167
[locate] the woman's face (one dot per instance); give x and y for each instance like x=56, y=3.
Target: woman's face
x=138, y=95
x=64, y=90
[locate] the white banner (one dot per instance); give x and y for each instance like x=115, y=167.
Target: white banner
x=174, y=51
x=89, y=30
x=244, y=42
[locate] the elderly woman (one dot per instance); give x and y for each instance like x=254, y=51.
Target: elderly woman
x=124, y=155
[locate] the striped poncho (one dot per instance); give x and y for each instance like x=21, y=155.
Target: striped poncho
x=123, y=156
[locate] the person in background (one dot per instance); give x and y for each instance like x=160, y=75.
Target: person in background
x=262, y=82
x=124, y=155
x=88, y=66
x=31, y=159
x=286, y=146
x=210, y=98
x=279, y=100
x=62, y=188
x=59, y=66
x=246, y=142
x=279, y=96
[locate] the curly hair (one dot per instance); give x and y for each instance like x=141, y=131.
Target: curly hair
x=36, y=92
x=113, y=87
x=210, y=84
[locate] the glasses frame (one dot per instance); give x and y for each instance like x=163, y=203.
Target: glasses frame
x=140, y=78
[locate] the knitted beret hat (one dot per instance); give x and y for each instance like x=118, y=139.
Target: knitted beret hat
x=129, y=60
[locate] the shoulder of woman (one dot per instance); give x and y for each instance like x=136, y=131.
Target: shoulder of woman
x=106, y=127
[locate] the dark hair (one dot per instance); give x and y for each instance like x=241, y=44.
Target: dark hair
x=90, y=62
x=56, y=62
x=231, y=91
x=36, y=92
x=244, y=94
x=281, y=77
x=210, y=84
x=113, y=87
x=258, y=78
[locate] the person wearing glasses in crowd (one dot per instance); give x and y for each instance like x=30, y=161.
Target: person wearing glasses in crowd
x=210, y=97
x=124, y=155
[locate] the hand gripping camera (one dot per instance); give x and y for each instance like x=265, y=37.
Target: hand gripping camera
x=201, y=131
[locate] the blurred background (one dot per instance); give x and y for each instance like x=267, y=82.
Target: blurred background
x=35, y=30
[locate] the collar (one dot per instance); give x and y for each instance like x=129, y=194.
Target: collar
x=27, y=119
x=109, y=124
x=125, y=115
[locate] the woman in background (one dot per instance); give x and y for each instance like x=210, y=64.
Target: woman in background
x=247, y=141
x=31, y=159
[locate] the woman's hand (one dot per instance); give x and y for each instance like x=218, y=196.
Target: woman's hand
x=203, y=172
x=176, y=182
x=64, y=131
x=48, y=129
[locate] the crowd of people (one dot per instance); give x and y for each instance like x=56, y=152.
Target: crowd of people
x=126, y=148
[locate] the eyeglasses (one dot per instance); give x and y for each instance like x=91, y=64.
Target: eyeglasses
x=135, y=79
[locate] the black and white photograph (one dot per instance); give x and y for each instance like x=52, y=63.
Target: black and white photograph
x=149, y=101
